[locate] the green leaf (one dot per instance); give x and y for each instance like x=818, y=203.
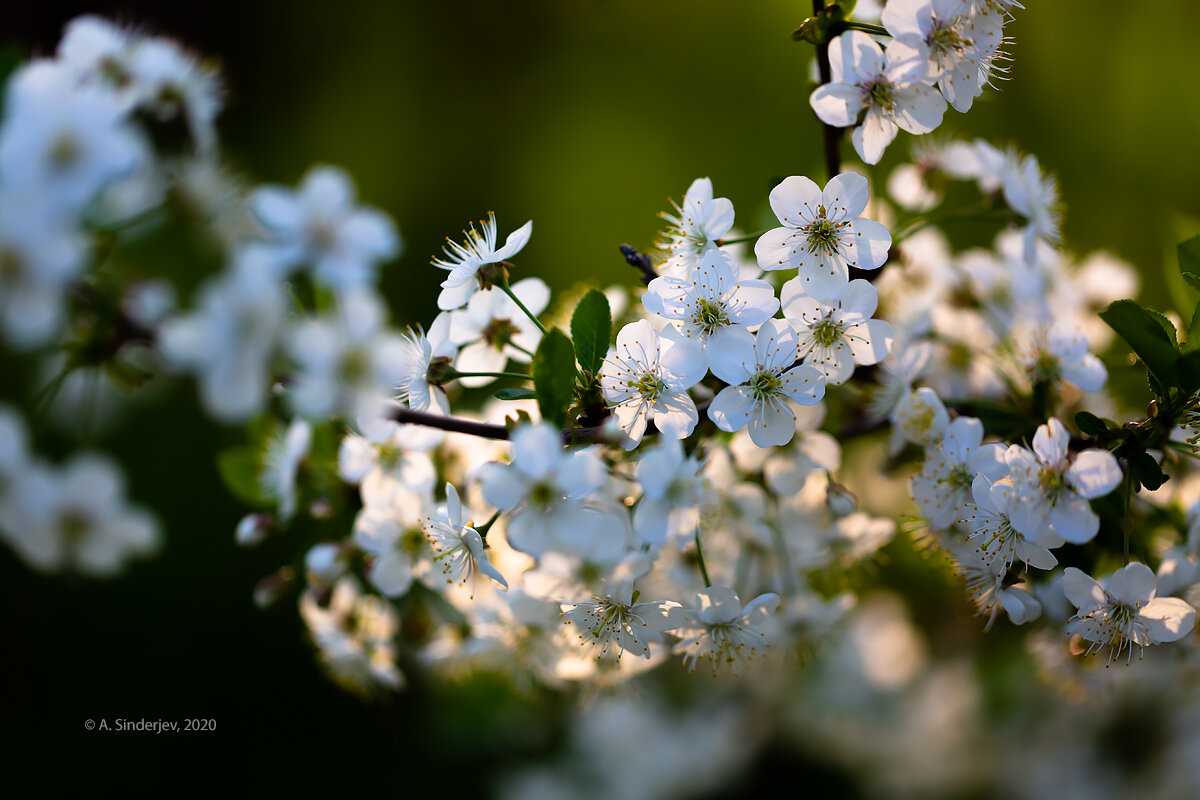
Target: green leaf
x=1193, y=279
x=240, y=468
x=1089, y=423
x=1146, y=470
x=554, y=376
x=1193, y=331
x=515, y=394
x=591, y=329
x=1148, y=338
x=1189, y=256
x=1188, y=367
x=1165, y=323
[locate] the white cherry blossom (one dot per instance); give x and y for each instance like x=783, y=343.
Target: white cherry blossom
x=721, y=630
x=961, y=41
x=477, y=250
x=709, y=301
x=493, y=329
x=321, y=224
x=823, y=233
x=616, y=619
x=458, y=547
x=894, y=89
x=694, y=229
x=998, y=543
x=836, y=336
x=648, y=377
x=763, y=380
x=1123, y=613
x=544, y=486
x=944, y=488
x=1052, y=489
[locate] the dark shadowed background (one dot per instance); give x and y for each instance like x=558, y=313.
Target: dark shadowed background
x=584, y=116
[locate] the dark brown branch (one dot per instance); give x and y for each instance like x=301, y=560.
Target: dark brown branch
x=831, y=136
x=639, y=261
x=485, y=430
x=592, y=434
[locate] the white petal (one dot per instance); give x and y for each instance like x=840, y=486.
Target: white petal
x=1081, y=589
x=837, y=104
x=515, y=241
x=1073, y=519
x=778, y=248
x=675, y=414
x=1133, y=584
x=872, y=241
x=537, y=450
x=501, y=485
x=772, y=424
x=794, y=202
x=870, y=342
x=874, y=135
x=730, y=410
x=854, y=57
x=1051, y=441
x=718, y=604
x=919, y=108
x=845, y=196
x=1168, y=619
x=1095, y=473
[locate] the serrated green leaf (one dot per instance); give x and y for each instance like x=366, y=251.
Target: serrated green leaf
x=1165, y=323
x=1189, y=255
x=1147, y=337
x=1193, y=331
x=1089, y=423
x=240, y=468
x=554, y=376
x=591, y=329
x=1188, y=367
x=515, y=394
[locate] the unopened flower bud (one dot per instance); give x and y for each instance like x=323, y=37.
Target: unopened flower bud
x=254, y=528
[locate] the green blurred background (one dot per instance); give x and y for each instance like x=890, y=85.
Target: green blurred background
x=585, y=117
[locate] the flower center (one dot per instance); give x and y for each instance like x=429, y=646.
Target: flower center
x=499, y=332
x=64, y=151
x=10, y=267
x=1053, y=482
x=709, y=315
x=542, y=494
x=1045, y=367
x=649, y=386
x=765, y=384
x=947, y=40
x=824, y=236
x=827, y=332
x=356, y=366
x=412, y=541
x=389, y=457
x=880, y=94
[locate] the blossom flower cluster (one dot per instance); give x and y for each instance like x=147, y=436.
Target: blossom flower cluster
x=708, y=471
x=938, y=53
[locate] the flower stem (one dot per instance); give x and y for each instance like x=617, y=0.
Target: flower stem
x=517, y=375
x=1128, y=503
x=700, y=560
x=877, y=30
x=738, y=240
x=516, y=346
x=977, y=212
x=504, y=287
